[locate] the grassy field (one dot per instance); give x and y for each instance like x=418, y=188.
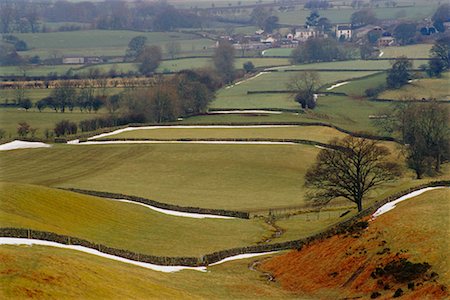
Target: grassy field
x=36, y=70
x=212, y=176
x=356, y=88
x=105, y=42
x=412, y=51
x=277, y=52
x=236, y=96
x=434, y=88
x=50, y=272
x=314, y=133
x=11, y=117
x=298, y=17
x=121, y=225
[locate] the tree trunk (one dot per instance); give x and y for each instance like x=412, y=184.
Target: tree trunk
x=359, y=203
x=438, y=163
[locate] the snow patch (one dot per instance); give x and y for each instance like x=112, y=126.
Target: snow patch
x=381, y=54
x=174, y=212
x=391, y=205
x=245, y=112
x=245, y=80
x=241, y=256
x=22, y=145
x=337, y=85
x=30, y=242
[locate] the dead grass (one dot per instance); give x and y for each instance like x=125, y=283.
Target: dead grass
x=343, y=265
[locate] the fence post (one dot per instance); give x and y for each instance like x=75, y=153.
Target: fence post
x=29, y=233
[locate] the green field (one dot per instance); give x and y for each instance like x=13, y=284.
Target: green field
x=356, y=88
x=242, y=177
x=122, y=225
x=36, y=70
x=338, y=15
x=106, y=42
x=434, y=88
x=278, y=52
x=313, y=133
x=412, y=51
x=10, y=117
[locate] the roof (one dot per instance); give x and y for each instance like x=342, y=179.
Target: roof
x=344, y=27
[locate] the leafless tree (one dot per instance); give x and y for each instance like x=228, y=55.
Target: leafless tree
x=350, y=169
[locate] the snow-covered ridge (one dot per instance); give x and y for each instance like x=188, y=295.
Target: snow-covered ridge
x=174, y=212
x=337, y=85
x=391, y=205
x=154, y=267
x=22, y=145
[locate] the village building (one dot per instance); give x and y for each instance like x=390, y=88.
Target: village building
x=305, y=33
x=343, y=31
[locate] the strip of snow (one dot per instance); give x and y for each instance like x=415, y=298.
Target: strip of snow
x=381, y=54
x=244, y=112
x=337, y=85
x=242, y=256
x=320, y=147
x=245, y=80
x=187, y=142
x=412, y=80
x=263, y=53
x=30, y=242
x=174, y=212
x=180, y=127
x=391, y=205
x=22, y=145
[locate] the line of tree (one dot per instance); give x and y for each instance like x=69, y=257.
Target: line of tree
x=29, y=16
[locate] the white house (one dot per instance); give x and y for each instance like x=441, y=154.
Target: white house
x=304, y=33
x=343, y=31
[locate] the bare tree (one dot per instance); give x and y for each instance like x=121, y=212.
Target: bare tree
x=304, y=86
x=350, y=169
x=173, y=48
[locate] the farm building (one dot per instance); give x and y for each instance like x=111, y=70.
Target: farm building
x=385, y=41
x=303, y=34
x=343, y=31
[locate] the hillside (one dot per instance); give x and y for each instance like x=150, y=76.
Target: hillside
x=393, y=253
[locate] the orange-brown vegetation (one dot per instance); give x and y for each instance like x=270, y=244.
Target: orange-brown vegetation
x=354, y=265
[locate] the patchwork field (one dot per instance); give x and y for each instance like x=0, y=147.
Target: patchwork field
x=411, y=51
x=122, y=225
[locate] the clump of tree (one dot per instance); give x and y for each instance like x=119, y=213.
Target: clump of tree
x=135, y=47
x=441, y=16
x=149, y=60
x=249, y=67
x=23, y=129
x=264, y=19
x=350, y=168
x=400, y=73
x=440, y=57
x=223, y=59
x=405, y=33
x=363, y=17
x=423, y=129
x=318, y=4
x=304, y=86
x=321, y=49
x=65, y=127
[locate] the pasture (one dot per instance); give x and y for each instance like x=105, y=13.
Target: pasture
x=241, y=177
x=411, y=51
x=106, y=42
x=60, y=273
x=343, y=15
x=428, y=88
x=122, y=225
x=313, y=133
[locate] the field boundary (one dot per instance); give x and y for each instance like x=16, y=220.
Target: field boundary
x=208, y=259
x=188, y=209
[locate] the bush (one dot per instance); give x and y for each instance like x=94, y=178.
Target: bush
x=373, y=92
x=65, y=127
